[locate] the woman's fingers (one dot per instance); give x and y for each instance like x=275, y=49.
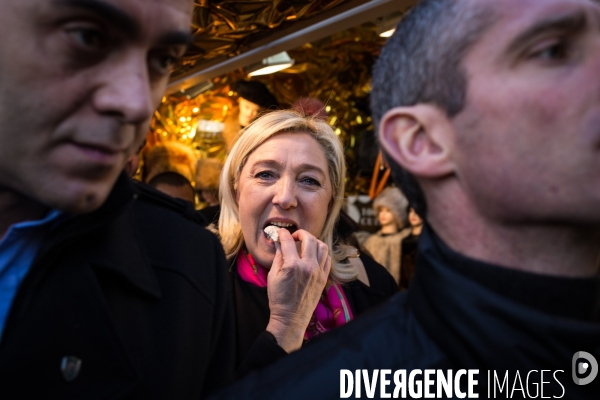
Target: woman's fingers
x=322, y=254
x=278, y=260
x=312, y=251
x=327, y=267
x=295, y=288
x=288, y=245
x=309, y=249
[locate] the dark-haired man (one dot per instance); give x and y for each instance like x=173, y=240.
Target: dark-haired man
x=489, y=112
x=107, y=290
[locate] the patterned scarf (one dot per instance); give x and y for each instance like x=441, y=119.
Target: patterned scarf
x=332, y=311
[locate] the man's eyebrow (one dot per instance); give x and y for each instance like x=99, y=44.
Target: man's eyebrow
x=572, y=23
x=120, y=19
x=123, y=21
x=176, y=38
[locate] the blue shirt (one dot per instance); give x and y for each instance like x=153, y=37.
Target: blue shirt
x=17, y=251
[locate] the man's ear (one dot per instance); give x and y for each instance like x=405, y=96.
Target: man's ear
x=420, y=139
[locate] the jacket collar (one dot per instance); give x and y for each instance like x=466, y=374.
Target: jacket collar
x=111, y=238
x=71, y=301
x=479, y=326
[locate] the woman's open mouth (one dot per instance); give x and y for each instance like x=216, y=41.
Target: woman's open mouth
x=291, y=227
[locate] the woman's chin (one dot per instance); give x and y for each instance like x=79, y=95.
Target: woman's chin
x=264, y=253
x=264, y=261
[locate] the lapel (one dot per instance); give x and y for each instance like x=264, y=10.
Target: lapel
x=60, y=330
x=118, y=249
x=107, y=238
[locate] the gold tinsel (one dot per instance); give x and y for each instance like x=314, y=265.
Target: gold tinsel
x=335, y=70
x=229, y=27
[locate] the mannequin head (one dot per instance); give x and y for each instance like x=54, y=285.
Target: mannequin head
x=387, y=220
x=415, y=221
x=254, y=98
x=248, y=111
x=390, y=207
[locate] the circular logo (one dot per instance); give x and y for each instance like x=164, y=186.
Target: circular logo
x=580, y=368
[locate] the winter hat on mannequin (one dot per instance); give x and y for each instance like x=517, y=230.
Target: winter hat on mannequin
x=393, y=199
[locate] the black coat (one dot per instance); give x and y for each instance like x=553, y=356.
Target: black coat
x=257, y=349
x=458, y=314
x=137, y=291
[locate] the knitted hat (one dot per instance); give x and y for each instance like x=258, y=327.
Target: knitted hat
x=170, y=157
x=255, y=92
x=208, y=172
x=393, y=199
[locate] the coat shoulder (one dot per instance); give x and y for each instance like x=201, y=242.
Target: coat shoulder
x=174, y=236
x=151, y=196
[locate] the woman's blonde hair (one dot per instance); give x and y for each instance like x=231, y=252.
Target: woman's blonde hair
x=261, y=130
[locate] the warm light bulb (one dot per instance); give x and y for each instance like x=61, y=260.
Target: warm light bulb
x=387, y=33
x=270, y=69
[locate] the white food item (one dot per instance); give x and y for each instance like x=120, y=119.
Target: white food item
x=271, y=232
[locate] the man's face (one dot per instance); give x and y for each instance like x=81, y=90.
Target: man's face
x=528, y=140
x=79, y=81
x=248, y=111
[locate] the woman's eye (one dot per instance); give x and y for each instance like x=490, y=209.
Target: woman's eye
x=311, y=181
x=264, y=175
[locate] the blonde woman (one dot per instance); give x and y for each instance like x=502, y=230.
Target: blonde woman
x=288, y=171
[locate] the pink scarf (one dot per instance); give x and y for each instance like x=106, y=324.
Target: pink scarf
x=332, y=311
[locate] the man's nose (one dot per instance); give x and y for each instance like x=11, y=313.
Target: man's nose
x=126, y=90
x=285, y=194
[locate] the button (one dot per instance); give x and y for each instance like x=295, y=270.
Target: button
x=70, y=367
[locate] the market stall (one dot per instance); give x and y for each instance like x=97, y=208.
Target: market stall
x=330, y=47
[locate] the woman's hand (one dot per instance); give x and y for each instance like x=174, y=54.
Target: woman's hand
x=295, y=284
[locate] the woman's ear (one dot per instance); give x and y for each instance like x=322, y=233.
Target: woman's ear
x=420, y=139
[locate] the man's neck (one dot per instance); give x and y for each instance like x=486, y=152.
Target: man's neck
x=15, y=208
x=550, y=249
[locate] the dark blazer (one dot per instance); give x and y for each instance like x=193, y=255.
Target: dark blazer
x=136, y=291
x=257, y=349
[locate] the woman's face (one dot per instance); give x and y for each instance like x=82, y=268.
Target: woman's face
x=285, y=182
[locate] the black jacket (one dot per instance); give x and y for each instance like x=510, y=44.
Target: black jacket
x=137, y=291
x=458, y=314
x=257, y=349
